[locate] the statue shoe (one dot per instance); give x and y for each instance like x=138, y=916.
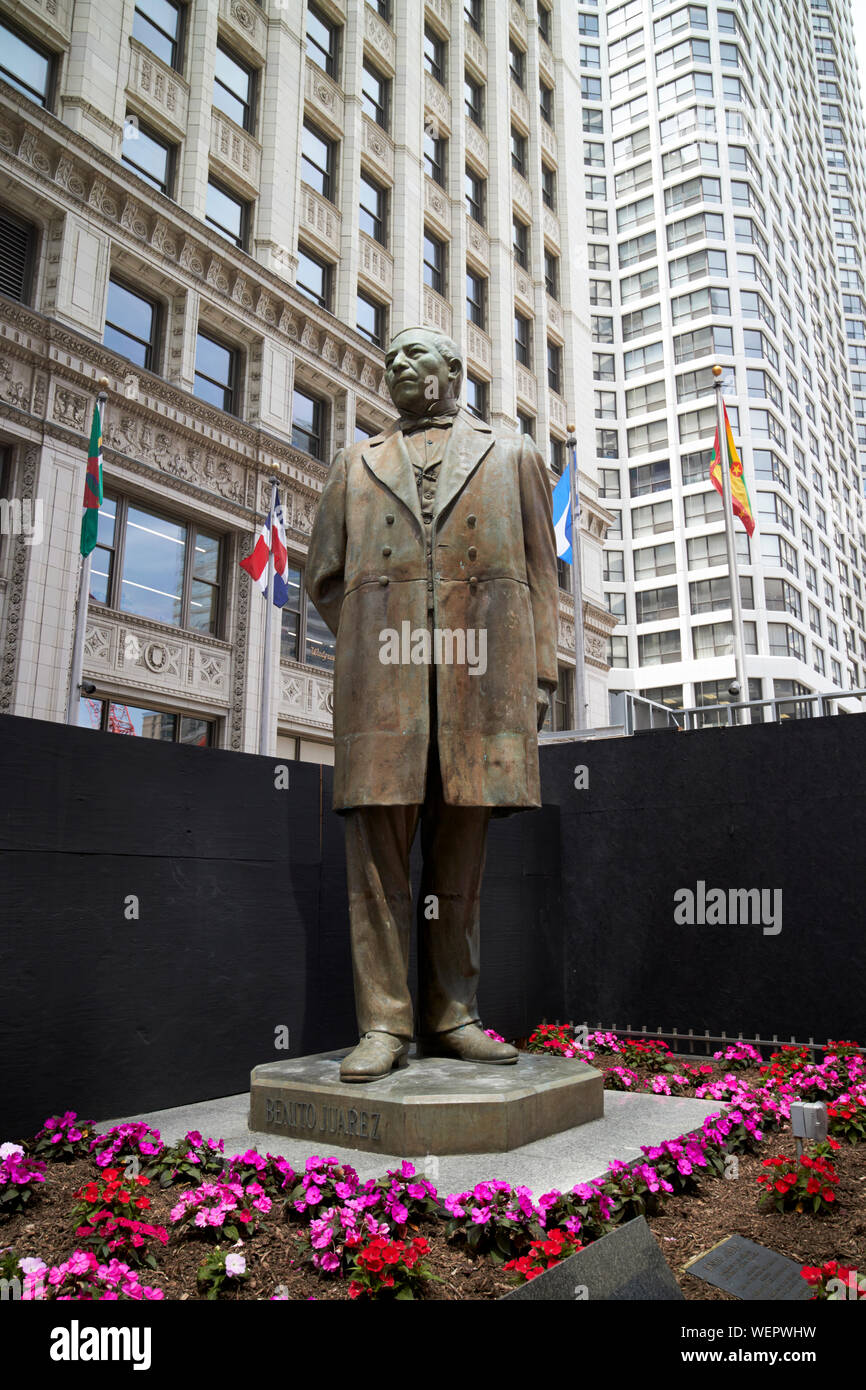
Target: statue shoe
x=470, y=1044
x=374, y=1057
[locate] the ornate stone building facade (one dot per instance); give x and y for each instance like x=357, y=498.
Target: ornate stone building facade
x=213, y=206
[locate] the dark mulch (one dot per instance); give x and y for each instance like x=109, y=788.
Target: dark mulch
x=278, y=1254
x=690, y=1226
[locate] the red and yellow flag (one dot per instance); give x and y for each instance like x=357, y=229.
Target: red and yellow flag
x=739, y=493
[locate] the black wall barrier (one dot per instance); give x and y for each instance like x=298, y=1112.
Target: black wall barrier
x=779, y=807
x=164, y=910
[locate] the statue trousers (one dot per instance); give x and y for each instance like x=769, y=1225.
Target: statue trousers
x=453, y=844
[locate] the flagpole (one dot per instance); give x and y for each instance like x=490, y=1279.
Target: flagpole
x=265, y=721
x=74, y=693
x=733, y=573
x=581, y=720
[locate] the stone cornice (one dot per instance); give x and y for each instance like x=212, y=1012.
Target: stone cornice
x=62, y=363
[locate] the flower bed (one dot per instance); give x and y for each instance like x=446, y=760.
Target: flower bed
x=122, y=1216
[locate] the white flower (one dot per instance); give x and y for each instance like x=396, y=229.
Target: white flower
x=11, y=1151
x=29, y=1265
x=235, y=1264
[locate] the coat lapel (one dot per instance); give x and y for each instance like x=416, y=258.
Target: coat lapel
x=388, y=458
x=470, y=441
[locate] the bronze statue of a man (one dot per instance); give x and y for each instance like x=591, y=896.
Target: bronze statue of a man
x=433, y=561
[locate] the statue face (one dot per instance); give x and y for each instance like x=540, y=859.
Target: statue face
x=416, y=373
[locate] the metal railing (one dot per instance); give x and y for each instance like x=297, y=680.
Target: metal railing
x=639, y=714
x=704, y=1041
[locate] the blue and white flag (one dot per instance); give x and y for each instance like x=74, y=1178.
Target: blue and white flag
x=562, y=516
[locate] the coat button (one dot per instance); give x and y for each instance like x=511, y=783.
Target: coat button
x=473, y=580
x=383, y=580
x=473, y=553
x=471, y=520
x=386, y=550
x=389, y=520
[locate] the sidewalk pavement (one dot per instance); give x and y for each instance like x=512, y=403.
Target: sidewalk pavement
x=560, y=1161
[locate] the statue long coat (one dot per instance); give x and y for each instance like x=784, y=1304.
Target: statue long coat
x=494, y=568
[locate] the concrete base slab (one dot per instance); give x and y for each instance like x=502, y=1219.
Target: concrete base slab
x=434, y=1106
x=560, y=1161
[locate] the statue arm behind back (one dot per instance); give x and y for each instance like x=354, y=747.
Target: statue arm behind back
x=540, y=550
x=326, y=558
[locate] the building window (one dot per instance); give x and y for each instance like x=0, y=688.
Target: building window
x=434, y=263
x=383, y=10
x=435, y=54
x=517, y=63
x=304, y=636
x=131, y=325
x=474, y=100
x=314, y=278
x=545, y=102
x=434, y=158
x=475, y=188
x=522, y=340
x=554, y=367
x=114, y=717
x=476, y=396
x=556, y=456
x=226, y=213
x=323, y=41
x=526, y=423
x=551, y=274
x=308, y=423
x=26, y=65
x=157, y=566
x=543, y=21
x=371, y=320
x=17, y=256
x=149, y=155
x=474, y=15
x=659, y=647
x=476, y=299
x=234, y=88
x=548, y=187
x=520, y=241
x=518, y=151
x=318, y=160
x=158, y=24
x=216, y=372
x=373, y=209
x=374, y=95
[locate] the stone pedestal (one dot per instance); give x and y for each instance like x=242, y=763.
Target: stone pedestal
x=434, y=1106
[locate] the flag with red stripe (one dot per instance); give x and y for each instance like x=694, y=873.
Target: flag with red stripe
x=740, y=501
x=272, y=536
x=92, y=485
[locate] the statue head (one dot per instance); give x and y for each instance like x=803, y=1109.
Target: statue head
x=423, y=369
